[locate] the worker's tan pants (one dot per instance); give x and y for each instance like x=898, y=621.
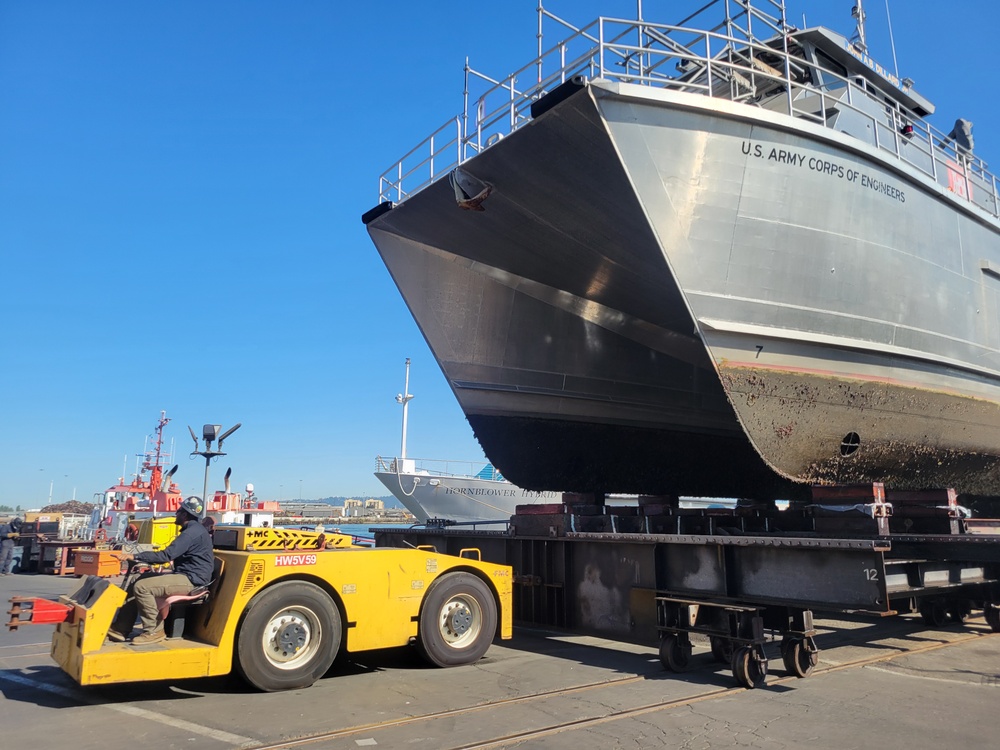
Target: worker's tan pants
x=141, y=598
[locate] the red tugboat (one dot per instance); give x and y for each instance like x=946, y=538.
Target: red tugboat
x=121, y=509
x=150, y=494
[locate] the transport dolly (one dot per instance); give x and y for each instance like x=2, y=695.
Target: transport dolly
x=737, y=588
x=760, y=584
x=737, y=636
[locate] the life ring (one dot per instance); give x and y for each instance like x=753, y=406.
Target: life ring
x=101, y=535
x=132, y=532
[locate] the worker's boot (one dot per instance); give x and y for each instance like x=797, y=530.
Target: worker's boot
x=155, y=635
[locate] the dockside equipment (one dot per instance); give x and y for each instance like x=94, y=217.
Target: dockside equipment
x=283, y=606
x=654, y=573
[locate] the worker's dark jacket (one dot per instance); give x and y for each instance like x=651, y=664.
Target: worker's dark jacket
x=190, y=552
x=5, y=529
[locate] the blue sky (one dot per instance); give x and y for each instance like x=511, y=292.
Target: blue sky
x=181, y=187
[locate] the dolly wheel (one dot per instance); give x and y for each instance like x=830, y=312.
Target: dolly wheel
x=722, y=649
x=992, y=614
x=933, y=613
x=749, y=667
x=800, y=656
x=289, y=637
x=458, y=619
x=959, y=610
x=675, y=654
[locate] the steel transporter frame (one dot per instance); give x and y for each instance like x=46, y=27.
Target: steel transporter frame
x=656, y=573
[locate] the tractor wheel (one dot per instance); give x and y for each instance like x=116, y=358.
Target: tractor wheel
x=289, y=637
x=458, y=619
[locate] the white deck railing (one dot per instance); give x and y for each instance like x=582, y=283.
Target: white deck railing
x=718, y=64
x=439, y=468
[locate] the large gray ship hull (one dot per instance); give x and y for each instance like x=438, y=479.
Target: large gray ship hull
x=672, y=294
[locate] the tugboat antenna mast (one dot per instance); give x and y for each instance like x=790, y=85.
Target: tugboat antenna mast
x=858, y=13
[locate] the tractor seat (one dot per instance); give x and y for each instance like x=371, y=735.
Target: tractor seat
x=173, y=608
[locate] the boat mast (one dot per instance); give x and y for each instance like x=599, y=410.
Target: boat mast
x=404, y=399
x=892, y=41
x=858, y=13
x=153, y=460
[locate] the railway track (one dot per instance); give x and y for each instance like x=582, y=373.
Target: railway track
x=594, y=704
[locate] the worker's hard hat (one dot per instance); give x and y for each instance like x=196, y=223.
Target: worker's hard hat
x=193, y=505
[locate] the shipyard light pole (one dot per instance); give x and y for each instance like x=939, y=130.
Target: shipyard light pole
x=404, y=399
x=210, y=434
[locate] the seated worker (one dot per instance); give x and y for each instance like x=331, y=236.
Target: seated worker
x=9, y=532
x=191, y=554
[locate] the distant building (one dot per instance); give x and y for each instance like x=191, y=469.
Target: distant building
x=352, y=508
x=311, y=510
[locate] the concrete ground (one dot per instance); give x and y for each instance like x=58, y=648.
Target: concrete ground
x=889, y=683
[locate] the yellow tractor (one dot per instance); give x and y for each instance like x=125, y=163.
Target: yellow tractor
x=281, y=608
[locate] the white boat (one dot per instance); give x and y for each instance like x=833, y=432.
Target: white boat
x=459, y=491
x=438, y=489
